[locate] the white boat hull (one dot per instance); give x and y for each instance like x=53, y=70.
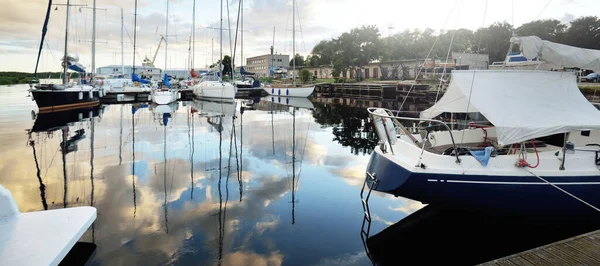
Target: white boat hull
x=215, y=90
x=164, y=97
x=290, y=91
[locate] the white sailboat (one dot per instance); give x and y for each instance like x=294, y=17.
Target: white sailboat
x=212, y=86
x=165, y=95
x=291, y=90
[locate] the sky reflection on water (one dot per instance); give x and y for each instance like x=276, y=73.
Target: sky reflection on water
x=211, y=187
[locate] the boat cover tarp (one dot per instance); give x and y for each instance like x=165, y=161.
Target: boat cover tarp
x=246, y=73
x=558, y=55
x=522, y=105
x=166, y=81
x=136, y=78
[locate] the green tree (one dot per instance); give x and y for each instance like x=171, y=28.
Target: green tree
x=323, y=52
x=495, y=40
x=299, y=60
x=548, y=29
x=227, y=65
x=305, y=75
x=584, y=32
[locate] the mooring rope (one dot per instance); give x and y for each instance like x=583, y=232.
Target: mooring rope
x=562, y=190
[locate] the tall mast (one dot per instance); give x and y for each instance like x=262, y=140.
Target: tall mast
x=294, y=41
x=166, y=36
x=134, y=36
x=65, y=63
x=221, y=42
x=193, y=33
x=242, y=41
x=122, y=47
x=94, y=39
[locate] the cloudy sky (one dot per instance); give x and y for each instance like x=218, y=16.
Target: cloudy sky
x=21, y=23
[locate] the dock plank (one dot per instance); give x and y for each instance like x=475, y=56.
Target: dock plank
x=579, y=250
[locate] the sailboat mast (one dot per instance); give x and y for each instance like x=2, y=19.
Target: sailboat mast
x=65, y=63
x=294, y=40
x=166, y=36
x=221, y=42
x=242, y=41
x=193, y=33
x=122, y=47
x=94, y=40
x=134, y=36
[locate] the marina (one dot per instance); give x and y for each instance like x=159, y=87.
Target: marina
x=389, y=143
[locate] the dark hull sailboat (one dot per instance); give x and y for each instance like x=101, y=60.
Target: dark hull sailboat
x=55, y=97
x=50, y=98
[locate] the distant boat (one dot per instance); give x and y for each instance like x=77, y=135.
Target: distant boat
x=165, y=94
x=72, y=93
x=212, y=86
x=291, y=90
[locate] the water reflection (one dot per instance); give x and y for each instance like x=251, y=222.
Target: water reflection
x=146, y=176
x=351, y=126
x=467, y=237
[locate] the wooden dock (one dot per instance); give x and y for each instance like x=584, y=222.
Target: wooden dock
x=381, y=94
x=126, y=97
x=579, y=250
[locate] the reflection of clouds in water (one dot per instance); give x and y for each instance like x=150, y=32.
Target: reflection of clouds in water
x=348, y=259
x=407, y=206
x=268, y=222
x=252, y=259
x=379, y=219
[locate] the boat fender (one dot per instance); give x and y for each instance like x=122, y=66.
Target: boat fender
x=381, y=129
x=80, y=95
x=91, y=94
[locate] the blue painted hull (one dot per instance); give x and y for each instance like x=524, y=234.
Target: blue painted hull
x=510, y=193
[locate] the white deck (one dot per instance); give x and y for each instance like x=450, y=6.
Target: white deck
x=39, y=238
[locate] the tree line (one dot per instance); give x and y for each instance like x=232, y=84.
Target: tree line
x=359, y=46
x=11, y=77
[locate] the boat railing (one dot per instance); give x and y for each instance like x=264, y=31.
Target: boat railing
x=396, y=121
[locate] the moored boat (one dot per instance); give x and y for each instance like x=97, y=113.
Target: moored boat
x=540, y=151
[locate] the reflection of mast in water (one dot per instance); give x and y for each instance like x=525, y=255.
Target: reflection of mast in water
x=240, y=166
x=221, y=215
x=121, y=138
x=38, y=173
x=92, y=172
x=165, y=171
x=272, y=129
x=133, y=109
x=192, y=150
x=293, y=165
x=64, y=159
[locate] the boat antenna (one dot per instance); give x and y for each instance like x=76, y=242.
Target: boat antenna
x=44, y=31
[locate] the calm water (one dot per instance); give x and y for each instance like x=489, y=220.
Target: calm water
x=212, y=185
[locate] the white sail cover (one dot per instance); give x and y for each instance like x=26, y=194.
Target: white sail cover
x=521, y=104
x=558, y=55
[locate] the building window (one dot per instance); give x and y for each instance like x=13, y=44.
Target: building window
x=376, y=73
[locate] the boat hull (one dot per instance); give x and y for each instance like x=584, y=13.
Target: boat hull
x=290, y=91
x=59, y=100
x=509, y=193
x=215, y=91
x=164, y=97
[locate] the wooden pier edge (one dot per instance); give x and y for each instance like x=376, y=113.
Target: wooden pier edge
x=578, y=250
